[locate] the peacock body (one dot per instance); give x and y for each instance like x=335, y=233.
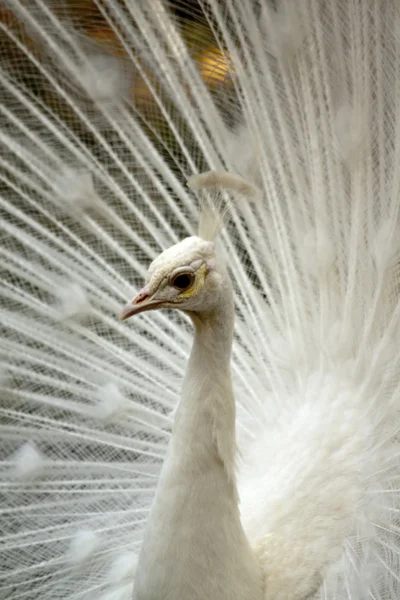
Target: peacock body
x=277, y=474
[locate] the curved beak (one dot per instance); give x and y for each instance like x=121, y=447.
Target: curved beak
x=140, y=303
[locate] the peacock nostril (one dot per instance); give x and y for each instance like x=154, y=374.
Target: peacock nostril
x=141, y=297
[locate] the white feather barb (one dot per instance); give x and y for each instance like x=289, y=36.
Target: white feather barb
x=96, y=142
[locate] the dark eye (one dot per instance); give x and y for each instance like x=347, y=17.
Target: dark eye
x=182, y=281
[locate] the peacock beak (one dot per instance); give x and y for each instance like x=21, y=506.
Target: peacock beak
x=140, y=303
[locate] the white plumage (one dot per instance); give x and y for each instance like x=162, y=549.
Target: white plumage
x=299, y=148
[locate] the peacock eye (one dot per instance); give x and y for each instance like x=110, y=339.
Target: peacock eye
x=182, y=281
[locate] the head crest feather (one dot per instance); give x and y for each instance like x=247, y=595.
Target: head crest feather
x=215, y=200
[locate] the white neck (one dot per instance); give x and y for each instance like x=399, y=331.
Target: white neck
x=195, y=546
x=204, y=428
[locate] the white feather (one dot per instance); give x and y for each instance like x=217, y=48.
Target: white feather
x=109, y=402
x=93, y=171
x=75, y=188
x=73, y=303
x=28, y=462
x=83, y=545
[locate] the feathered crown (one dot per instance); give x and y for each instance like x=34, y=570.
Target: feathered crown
x=215, y=200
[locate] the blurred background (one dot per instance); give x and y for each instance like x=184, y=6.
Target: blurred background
x=23, y=52
x=86, y=18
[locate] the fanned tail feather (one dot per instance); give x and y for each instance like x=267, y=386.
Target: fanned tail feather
x=97, y=140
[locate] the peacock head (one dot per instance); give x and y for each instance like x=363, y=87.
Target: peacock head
x=187, y=276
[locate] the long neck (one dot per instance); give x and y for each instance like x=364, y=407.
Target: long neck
x=205, y=421
x=195, y=546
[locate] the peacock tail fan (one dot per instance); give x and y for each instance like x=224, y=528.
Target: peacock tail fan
x=107, y=109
